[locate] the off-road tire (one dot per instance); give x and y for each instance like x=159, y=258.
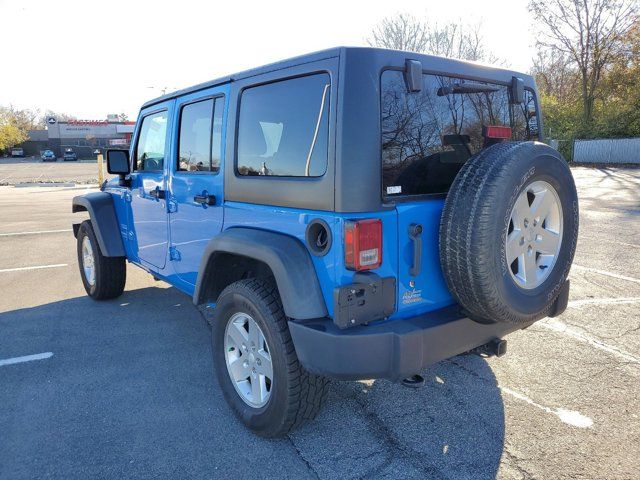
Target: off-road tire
x=475, y=222
x=297, y=395
x=110, y=272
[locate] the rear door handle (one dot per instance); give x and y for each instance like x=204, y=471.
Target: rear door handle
x=157, y=193
x=415, y=234
x=205, y=199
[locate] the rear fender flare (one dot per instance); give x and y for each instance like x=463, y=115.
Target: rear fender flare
x=286, y=256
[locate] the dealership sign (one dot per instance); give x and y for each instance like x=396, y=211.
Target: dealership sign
x=51, y=120
x=88, y=122
x=84, y=129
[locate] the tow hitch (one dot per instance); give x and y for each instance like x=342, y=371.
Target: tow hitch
x=497, y=348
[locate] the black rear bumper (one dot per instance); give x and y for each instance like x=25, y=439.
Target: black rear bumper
x=392, y=350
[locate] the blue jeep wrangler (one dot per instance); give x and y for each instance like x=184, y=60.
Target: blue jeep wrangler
x=353, y=213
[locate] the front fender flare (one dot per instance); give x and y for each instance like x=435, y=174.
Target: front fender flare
x=287, y=258
x=103, y=220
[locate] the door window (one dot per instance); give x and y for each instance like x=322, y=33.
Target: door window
x=216, y=140
x=194, y=144
x=200, y=140
x=151, y=143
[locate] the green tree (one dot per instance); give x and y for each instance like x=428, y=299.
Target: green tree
x=589, y=35
x=12, y=131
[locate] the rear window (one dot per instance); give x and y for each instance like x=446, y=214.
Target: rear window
x=427, y=136
x=284, y=128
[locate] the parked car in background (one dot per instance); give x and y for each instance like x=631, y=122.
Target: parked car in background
x=48, y=156
x=17, y=152
x=69, y=155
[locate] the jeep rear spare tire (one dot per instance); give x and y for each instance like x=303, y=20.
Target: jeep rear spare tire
x=508, y=232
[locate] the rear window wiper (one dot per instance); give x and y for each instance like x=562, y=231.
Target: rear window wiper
x=458, y=88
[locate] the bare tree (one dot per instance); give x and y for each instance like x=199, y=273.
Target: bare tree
x=589, y=33
x=556, y=75
x=60, y=117
x=401, y=32
x=25, y=119
x=455, y=40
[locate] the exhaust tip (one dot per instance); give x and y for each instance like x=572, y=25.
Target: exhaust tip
x=414, y=381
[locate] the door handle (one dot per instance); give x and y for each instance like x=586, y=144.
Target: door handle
x=157, y=193
x=205, y=199
x=415, y=234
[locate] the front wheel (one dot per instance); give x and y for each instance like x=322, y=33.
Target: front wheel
x=256, y=363
x=103, y=277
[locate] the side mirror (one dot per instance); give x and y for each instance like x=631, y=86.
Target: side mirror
x=517, y=90
x=118, y=162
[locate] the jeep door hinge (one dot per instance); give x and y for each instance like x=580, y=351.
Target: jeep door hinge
x=174, y=254
x=172, y=206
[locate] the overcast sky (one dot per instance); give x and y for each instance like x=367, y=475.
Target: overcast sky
x=89, y=58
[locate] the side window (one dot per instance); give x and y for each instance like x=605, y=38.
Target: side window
x=151, y=142
x=284, y=128
x=194, y=141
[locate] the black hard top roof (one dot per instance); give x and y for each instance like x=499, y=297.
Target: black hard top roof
x=441, y=64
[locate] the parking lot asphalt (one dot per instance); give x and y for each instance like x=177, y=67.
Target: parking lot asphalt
x=125, y=388
x=17, y=171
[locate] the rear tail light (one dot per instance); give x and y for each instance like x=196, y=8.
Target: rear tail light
x=363, y=244
x=496, y=131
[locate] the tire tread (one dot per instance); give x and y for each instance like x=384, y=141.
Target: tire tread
x=307, y=392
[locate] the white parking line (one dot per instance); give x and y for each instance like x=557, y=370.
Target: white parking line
x=12, y=234
x=12, y=174
x=36, y=267
x=578, y=304
x=628, y=244
x=577, y=334
x=26, y=358
x=570, y=417
x=605, y=273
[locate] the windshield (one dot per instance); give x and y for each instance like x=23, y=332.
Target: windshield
x=427, y=136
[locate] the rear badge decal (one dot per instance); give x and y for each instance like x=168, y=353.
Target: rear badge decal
x=412, y=296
